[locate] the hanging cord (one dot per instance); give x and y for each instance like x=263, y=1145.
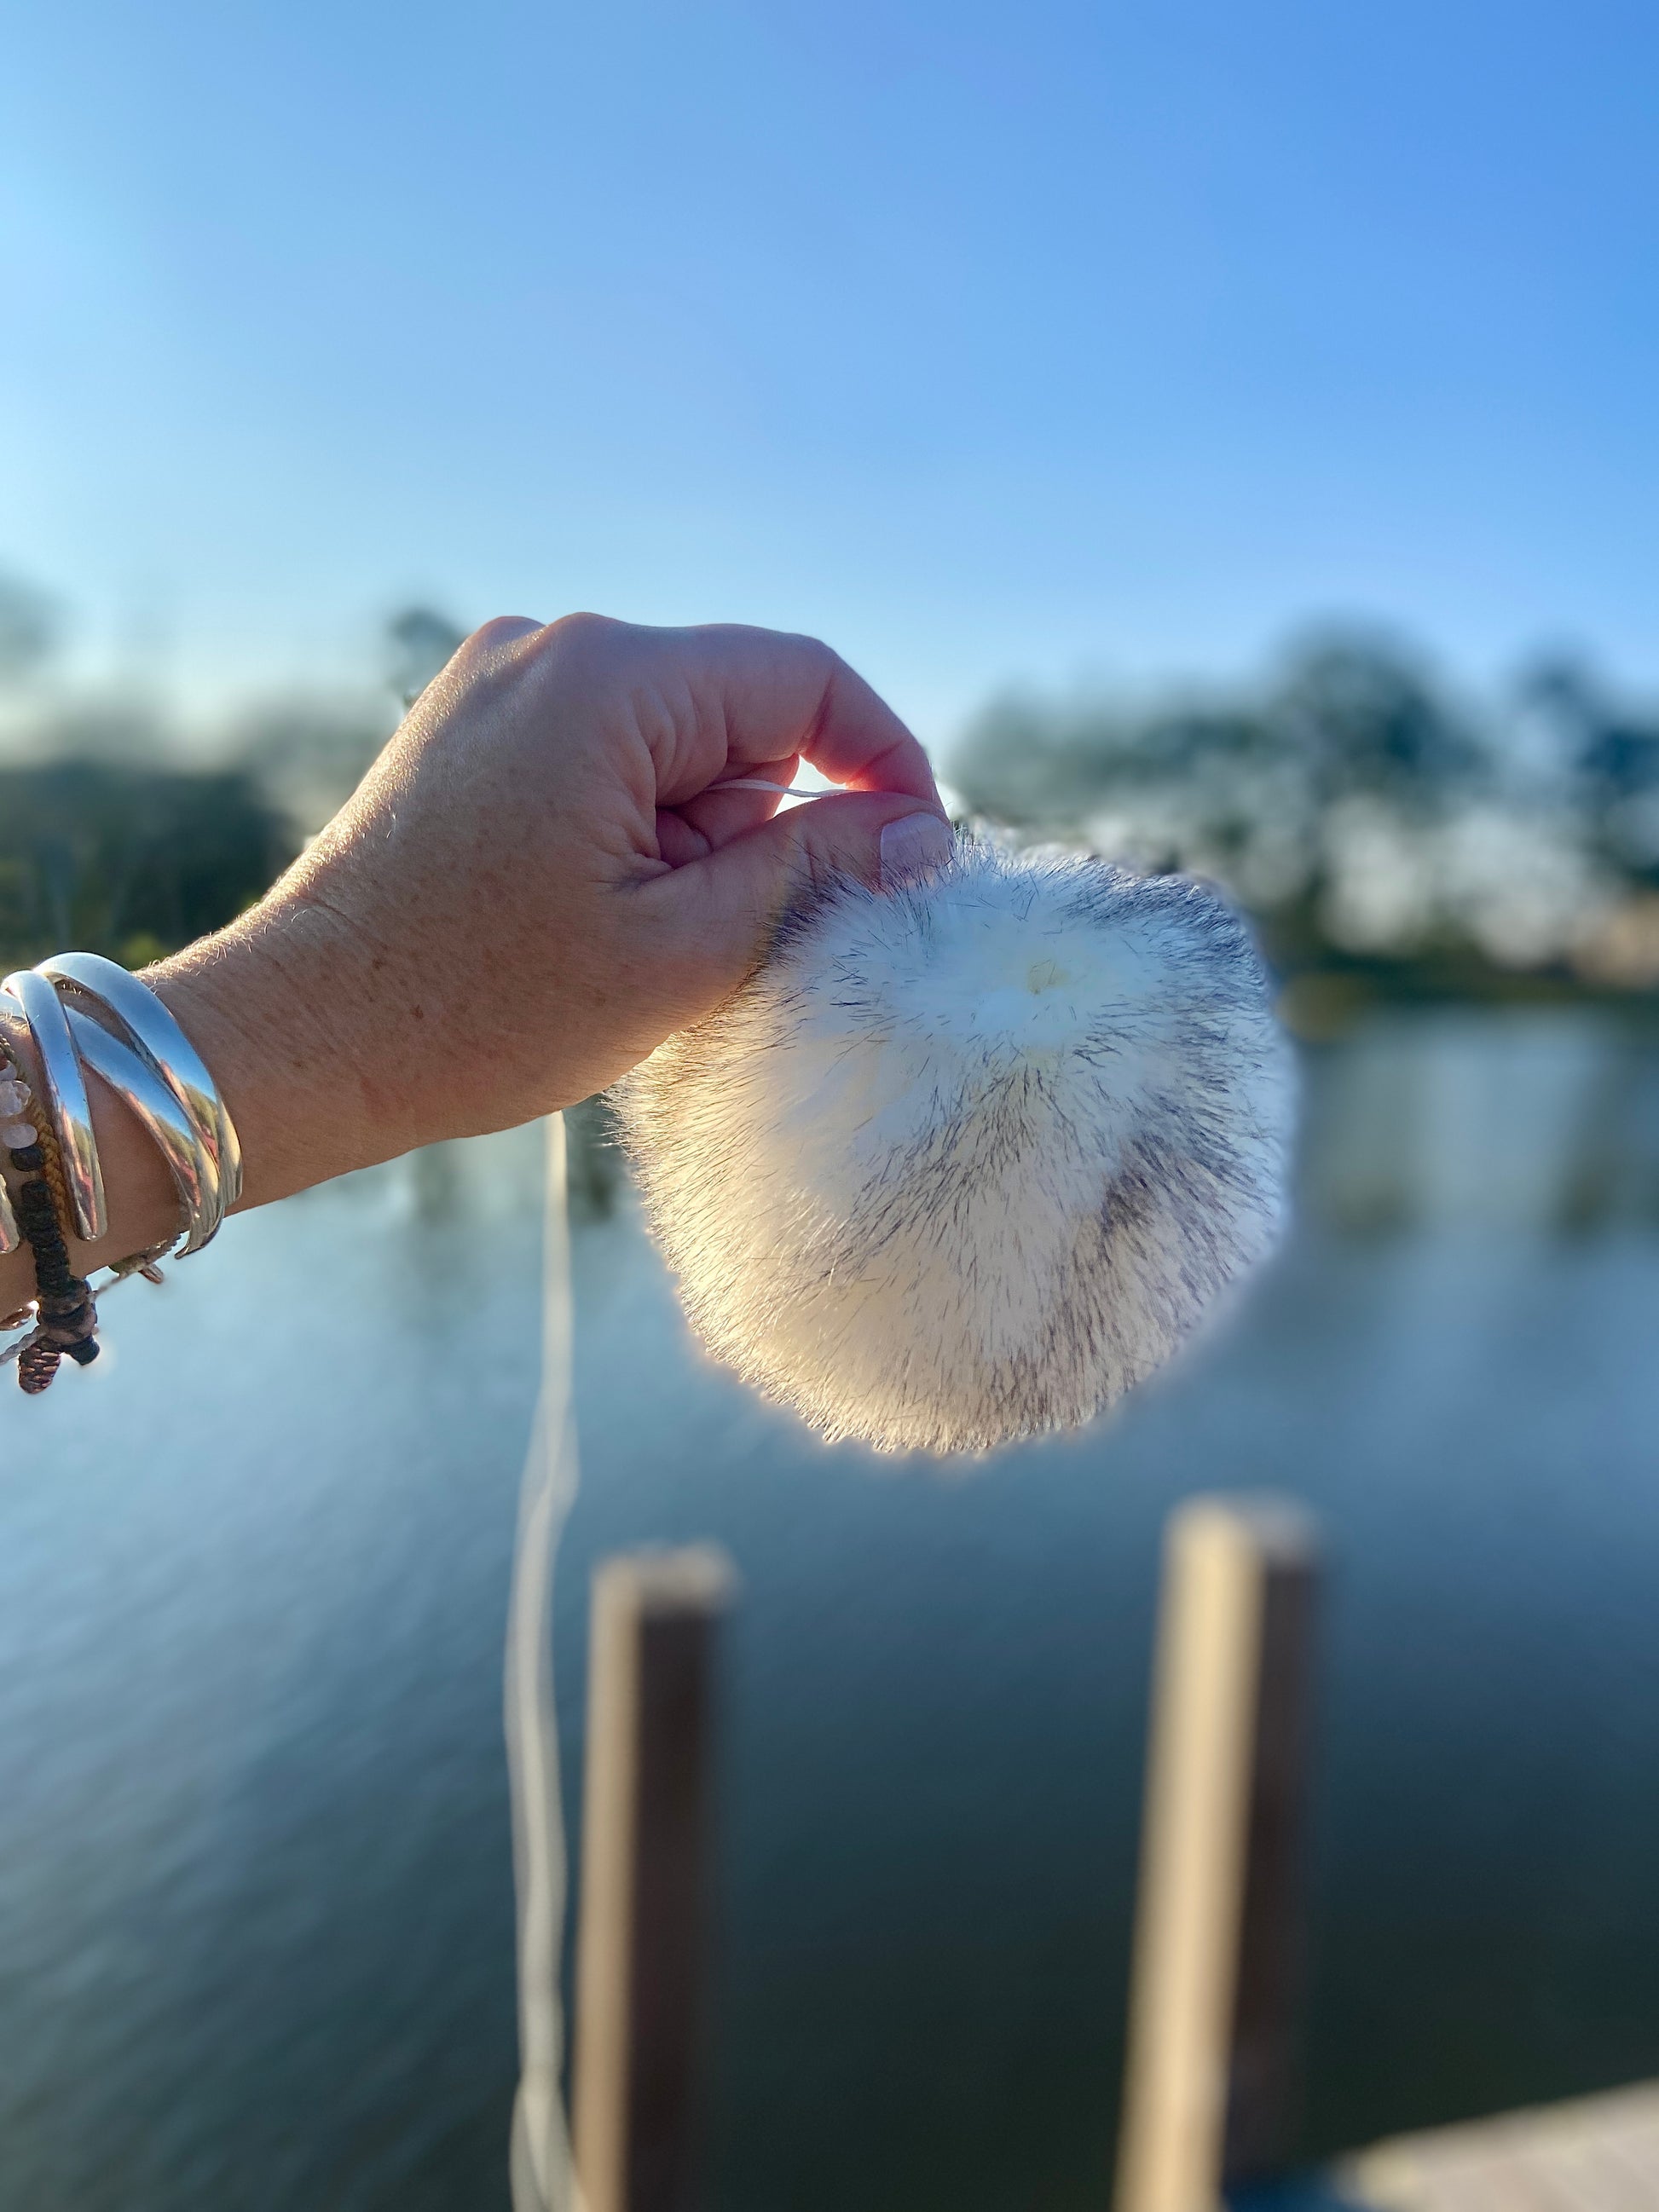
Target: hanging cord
x=763, y=783
x=544, y=2177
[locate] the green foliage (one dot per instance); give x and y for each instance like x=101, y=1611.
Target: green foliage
x=309, y=752
x=1347, y=714
x=1385, y=834
x=1366, y=818
x=108, y=844
x=131, y=861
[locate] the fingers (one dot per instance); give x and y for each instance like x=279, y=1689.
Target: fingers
x=760, y=696
x=768, y=694
x=703, y=825
x=726, y=904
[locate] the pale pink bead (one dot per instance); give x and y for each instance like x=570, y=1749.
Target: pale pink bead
x=13, y=1099
x=16, y=1135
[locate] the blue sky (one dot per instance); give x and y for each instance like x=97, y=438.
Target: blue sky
x=991, y=342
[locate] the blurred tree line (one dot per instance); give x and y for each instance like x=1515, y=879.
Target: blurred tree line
x=1389, y=838
x=121, y=833
x=130, y=860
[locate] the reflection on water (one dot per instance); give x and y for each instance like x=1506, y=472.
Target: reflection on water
x=1525, y=1121
x=255, y=1912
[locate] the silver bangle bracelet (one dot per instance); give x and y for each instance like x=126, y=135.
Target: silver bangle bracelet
x=57, y=1022
x=153, y=1105
x=63, y=1094
x=82, y=1012
x=153, y=1033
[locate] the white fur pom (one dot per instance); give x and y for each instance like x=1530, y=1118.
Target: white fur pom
x=966, y=1160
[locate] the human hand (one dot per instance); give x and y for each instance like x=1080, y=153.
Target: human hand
x=540, y=878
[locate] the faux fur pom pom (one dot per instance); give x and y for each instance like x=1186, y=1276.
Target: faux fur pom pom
x=965, y=1160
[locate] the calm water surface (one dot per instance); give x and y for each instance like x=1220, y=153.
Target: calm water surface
x=255, y=1902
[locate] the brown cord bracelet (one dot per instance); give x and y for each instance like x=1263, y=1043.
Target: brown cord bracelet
x=66, y=1324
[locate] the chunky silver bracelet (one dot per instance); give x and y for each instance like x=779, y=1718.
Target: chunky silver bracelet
x=151, y=1030
x=63, y=1093
x=81, y=1012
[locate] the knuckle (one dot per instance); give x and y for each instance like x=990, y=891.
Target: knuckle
x=582, y=631
x=502, y=630
x=582, y=648
x=512, y=650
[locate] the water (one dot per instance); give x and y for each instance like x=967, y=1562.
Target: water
x=255, y=1904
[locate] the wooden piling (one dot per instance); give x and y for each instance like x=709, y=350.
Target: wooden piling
x=1210, y=2087
x=646, y=1874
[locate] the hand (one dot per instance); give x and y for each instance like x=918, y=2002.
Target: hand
x=540, y=878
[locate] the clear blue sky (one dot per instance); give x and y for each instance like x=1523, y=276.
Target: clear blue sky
x=988, y=341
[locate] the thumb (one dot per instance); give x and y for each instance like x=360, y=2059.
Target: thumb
x=733, y=897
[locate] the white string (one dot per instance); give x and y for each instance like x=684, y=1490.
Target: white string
x=759, y=783
x=543, y=2174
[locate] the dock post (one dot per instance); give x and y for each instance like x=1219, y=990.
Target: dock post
x=1209, y=2092
x=646, y=1875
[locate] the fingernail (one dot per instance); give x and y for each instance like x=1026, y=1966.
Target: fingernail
x=913, y=848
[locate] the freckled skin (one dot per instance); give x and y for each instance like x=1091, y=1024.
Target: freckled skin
x=536, y=883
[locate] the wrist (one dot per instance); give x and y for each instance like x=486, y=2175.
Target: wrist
x=281, y=1007
x=287, y=1008
x=283, y=1020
